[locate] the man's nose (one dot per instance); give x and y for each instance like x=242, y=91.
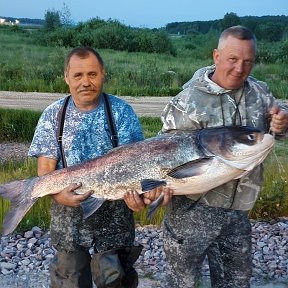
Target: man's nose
x=239, y=66
x=85, y=80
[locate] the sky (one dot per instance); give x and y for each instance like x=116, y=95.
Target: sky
x=144, y=13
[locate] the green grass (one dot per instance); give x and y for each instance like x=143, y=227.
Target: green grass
x=40, y=69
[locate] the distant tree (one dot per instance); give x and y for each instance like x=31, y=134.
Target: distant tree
x=230, y=19
x=52, y=20
x=270, y=31
x=65, y=16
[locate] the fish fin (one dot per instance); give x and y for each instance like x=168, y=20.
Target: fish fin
x=190, y=169
x=90, y=205
x=149, y=184
x=19, y=194
x=154, y=206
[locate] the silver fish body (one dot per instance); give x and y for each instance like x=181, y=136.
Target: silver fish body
x=190, y=162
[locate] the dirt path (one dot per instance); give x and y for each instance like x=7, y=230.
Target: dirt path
x=143, y=105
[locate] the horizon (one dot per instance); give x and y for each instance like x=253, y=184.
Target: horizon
x=42, y=19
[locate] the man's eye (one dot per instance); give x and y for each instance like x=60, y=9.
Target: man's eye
x=248, y=62
x=93, y=75
x=77, y=77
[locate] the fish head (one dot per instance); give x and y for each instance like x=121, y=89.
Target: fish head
x=242, y=147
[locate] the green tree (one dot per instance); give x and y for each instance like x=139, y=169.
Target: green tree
x=52, y=20
x=65, y=15
x=230, y=19
x=270, y=31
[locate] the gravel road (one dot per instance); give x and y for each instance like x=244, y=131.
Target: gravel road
x=143, y=105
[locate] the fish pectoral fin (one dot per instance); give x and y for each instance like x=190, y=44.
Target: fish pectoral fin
x=150, y=184
x=154, y=206
x=90, y=205
x=190, y=169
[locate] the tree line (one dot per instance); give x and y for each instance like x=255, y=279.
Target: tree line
x=266, y=28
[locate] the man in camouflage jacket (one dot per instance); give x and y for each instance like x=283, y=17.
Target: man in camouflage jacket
x=216, y=225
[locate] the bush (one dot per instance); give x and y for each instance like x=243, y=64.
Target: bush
x=108, y=35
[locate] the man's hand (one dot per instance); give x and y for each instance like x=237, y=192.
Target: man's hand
x=138, y=202
x=68, y=197
x=279, y=120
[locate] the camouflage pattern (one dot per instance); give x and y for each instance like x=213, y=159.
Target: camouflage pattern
x=217, y=224
x=224, y=235
x=204, y=104
x=86, y=136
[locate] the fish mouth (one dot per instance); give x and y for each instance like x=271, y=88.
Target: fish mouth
x=248, y=158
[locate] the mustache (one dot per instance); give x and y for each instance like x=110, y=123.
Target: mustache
x=86, y=90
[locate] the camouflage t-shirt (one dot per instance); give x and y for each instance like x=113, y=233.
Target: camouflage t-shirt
x=85, y=136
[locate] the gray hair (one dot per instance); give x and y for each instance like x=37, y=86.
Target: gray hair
x=239, y=32
x=82, y=52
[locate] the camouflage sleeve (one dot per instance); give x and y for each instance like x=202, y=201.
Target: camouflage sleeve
x=270, y=102
x=44, y=141
x=180, y=114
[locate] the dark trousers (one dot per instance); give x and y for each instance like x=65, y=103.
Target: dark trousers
x=108, y=269
x=223, y=235
x=71, y=270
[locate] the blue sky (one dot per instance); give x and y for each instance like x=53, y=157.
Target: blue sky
x=144, y=13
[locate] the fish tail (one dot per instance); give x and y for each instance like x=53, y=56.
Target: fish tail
x=19, y=194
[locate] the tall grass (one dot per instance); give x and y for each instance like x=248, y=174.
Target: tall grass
x=40, y=68
x=17, y=125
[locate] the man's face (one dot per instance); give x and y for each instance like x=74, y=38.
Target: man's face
x=85, y=78
x=234, y=62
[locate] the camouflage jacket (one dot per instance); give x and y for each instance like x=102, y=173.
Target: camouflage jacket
x=201, y=104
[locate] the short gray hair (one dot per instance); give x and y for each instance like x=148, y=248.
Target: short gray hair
x=239, y=32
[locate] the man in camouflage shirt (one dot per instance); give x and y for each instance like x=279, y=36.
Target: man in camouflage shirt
x=110, y=230
x=217, y=223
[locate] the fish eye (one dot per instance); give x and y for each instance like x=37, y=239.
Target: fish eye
x=251, y=137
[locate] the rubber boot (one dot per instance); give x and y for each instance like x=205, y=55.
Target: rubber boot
x=114, y=268
x=71, y=270
x=107, y=270
x=128, y=256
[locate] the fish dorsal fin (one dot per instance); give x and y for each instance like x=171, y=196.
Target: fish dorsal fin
x=190, y=169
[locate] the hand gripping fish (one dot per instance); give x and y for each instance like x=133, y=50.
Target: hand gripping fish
x=189, y=162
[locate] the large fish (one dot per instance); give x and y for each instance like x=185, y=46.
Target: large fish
x=190, y=162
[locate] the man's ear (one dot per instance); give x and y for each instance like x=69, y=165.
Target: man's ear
x=104, y=75
x=216, y=55
x=66, y=77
